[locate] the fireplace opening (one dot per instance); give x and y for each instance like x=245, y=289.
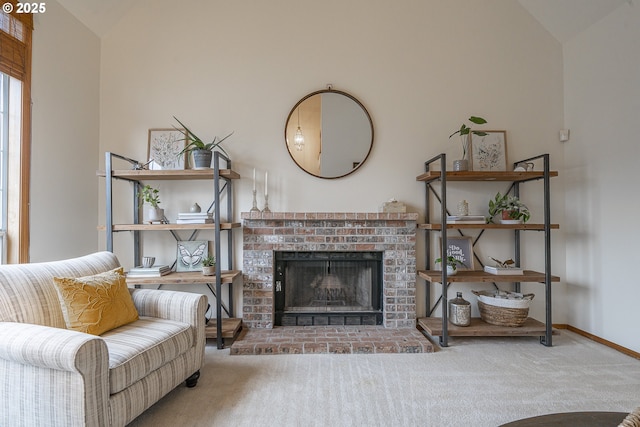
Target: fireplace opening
x=327, y=288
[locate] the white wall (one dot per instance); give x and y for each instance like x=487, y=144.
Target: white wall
x=65, y=123
x=421, y=68
x=602, y=108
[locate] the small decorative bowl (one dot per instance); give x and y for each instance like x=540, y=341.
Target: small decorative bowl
x=148, y=261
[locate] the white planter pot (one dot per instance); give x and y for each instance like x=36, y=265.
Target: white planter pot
x=209, y=271
x=155, y=214
x=451, y=271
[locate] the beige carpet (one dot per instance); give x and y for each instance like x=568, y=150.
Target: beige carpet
x=474, y=382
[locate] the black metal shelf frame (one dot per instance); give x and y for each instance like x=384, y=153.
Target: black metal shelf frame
x=514, y=188
x=222, y=186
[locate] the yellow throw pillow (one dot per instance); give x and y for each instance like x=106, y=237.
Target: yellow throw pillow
x=96, y=304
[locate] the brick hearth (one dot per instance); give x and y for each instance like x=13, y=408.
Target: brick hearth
x=392, y=233
x=330, y=339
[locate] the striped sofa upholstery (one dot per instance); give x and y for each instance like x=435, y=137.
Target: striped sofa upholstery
x=52, y=376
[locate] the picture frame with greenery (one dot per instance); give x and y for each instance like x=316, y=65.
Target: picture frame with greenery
x=164, y=149
x=489, y=151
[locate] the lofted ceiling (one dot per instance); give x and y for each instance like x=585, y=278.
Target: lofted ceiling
x=562, y=18
x=566, y=18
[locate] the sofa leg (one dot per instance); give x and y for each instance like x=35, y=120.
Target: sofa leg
x=193, y=379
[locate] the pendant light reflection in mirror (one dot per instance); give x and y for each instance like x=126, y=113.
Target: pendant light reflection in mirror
x=298, y=140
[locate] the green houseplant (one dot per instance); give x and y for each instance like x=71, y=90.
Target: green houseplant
x=151, y=196
x=209, y=265
x=509, y=207
x=465, y=133
x=202, y=151
x=452, y=264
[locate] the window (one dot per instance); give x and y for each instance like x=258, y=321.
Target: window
x=4, y=139
x=15, y=127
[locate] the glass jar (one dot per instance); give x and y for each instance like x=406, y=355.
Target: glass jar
x=459, y=311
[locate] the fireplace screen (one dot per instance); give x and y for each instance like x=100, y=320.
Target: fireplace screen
x=328, y=287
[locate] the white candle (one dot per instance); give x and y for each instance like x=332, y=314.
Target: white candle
x=266, y=183
x=254, y=179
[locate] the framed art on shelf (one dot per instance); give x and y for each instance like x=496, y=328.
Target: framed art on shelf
x=489, y=152
x=461, y=248
x=190, y=254
x=165, y=145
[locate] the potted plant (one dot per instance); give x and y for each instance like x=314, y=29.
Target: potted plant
x=209, y=266
x=465, y=135
x=452, y=265
x=511, y=209
x=151, y=196
x=202, y=152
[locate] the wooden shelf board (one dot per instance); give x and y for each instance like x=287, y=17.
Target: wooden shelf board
x=538, y=227
x=184, y=278
x=479, y=328
x=484, y=176
x=230, y=328
x=169, y=175
x=481, y=276
x=166, y=227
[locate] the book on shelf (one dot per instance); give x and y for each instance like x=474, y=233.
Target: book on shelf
x=189, y=215
x=500, y=271
x=195, y=218
x=155, y=271
x=195, y=221
x=466, y=219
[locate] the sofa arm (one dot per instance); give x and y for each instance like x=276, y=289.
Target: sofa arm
x=184, y=307
x=63, y=374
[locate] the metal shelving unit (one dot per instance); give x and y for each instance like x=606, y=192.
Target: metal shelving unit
x=222, y=188
x=440, y=326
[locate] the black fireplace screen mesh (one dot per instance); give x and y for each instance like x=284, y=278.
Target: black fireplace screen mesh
x=329, y=282
x=328, y=285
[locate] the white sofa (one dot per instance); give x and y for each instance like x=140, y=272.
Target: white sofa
x=53, y=376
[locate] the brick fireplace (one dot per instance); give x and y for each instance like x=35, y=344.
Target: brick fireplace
x=392, y=234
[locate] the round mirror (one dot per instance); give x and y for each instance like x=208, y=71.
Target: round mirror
x=329, y=134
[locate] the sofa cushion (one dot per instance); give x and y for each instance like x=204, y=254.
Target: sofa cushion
x=28, y=294
x=96, y=304
x=138, y=348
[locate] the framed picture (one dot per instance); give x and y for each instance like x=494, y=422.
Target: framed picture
x=164, y=149
x=190, y=255
x=489, y=152
x=461, y=248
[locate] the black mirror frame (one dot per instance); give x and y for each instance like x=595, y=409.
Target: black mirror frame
x=354, y=99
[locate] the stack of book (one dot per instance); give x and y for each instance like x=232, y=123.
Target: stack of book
x=195, y=218
x=155, y=271
x=466, y=219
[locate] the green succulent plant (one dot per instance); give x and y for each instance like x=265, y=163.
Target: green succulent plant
x=209, y=261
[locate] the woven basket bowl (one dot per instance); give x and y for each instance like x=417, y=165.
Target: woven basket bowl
x=503, y=316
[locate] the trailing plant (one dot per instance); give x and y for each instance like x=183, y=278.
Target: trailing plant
x=150, y=195
x=465, y=130
x=195, y=143
x=510, y=204
x=451, y=262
